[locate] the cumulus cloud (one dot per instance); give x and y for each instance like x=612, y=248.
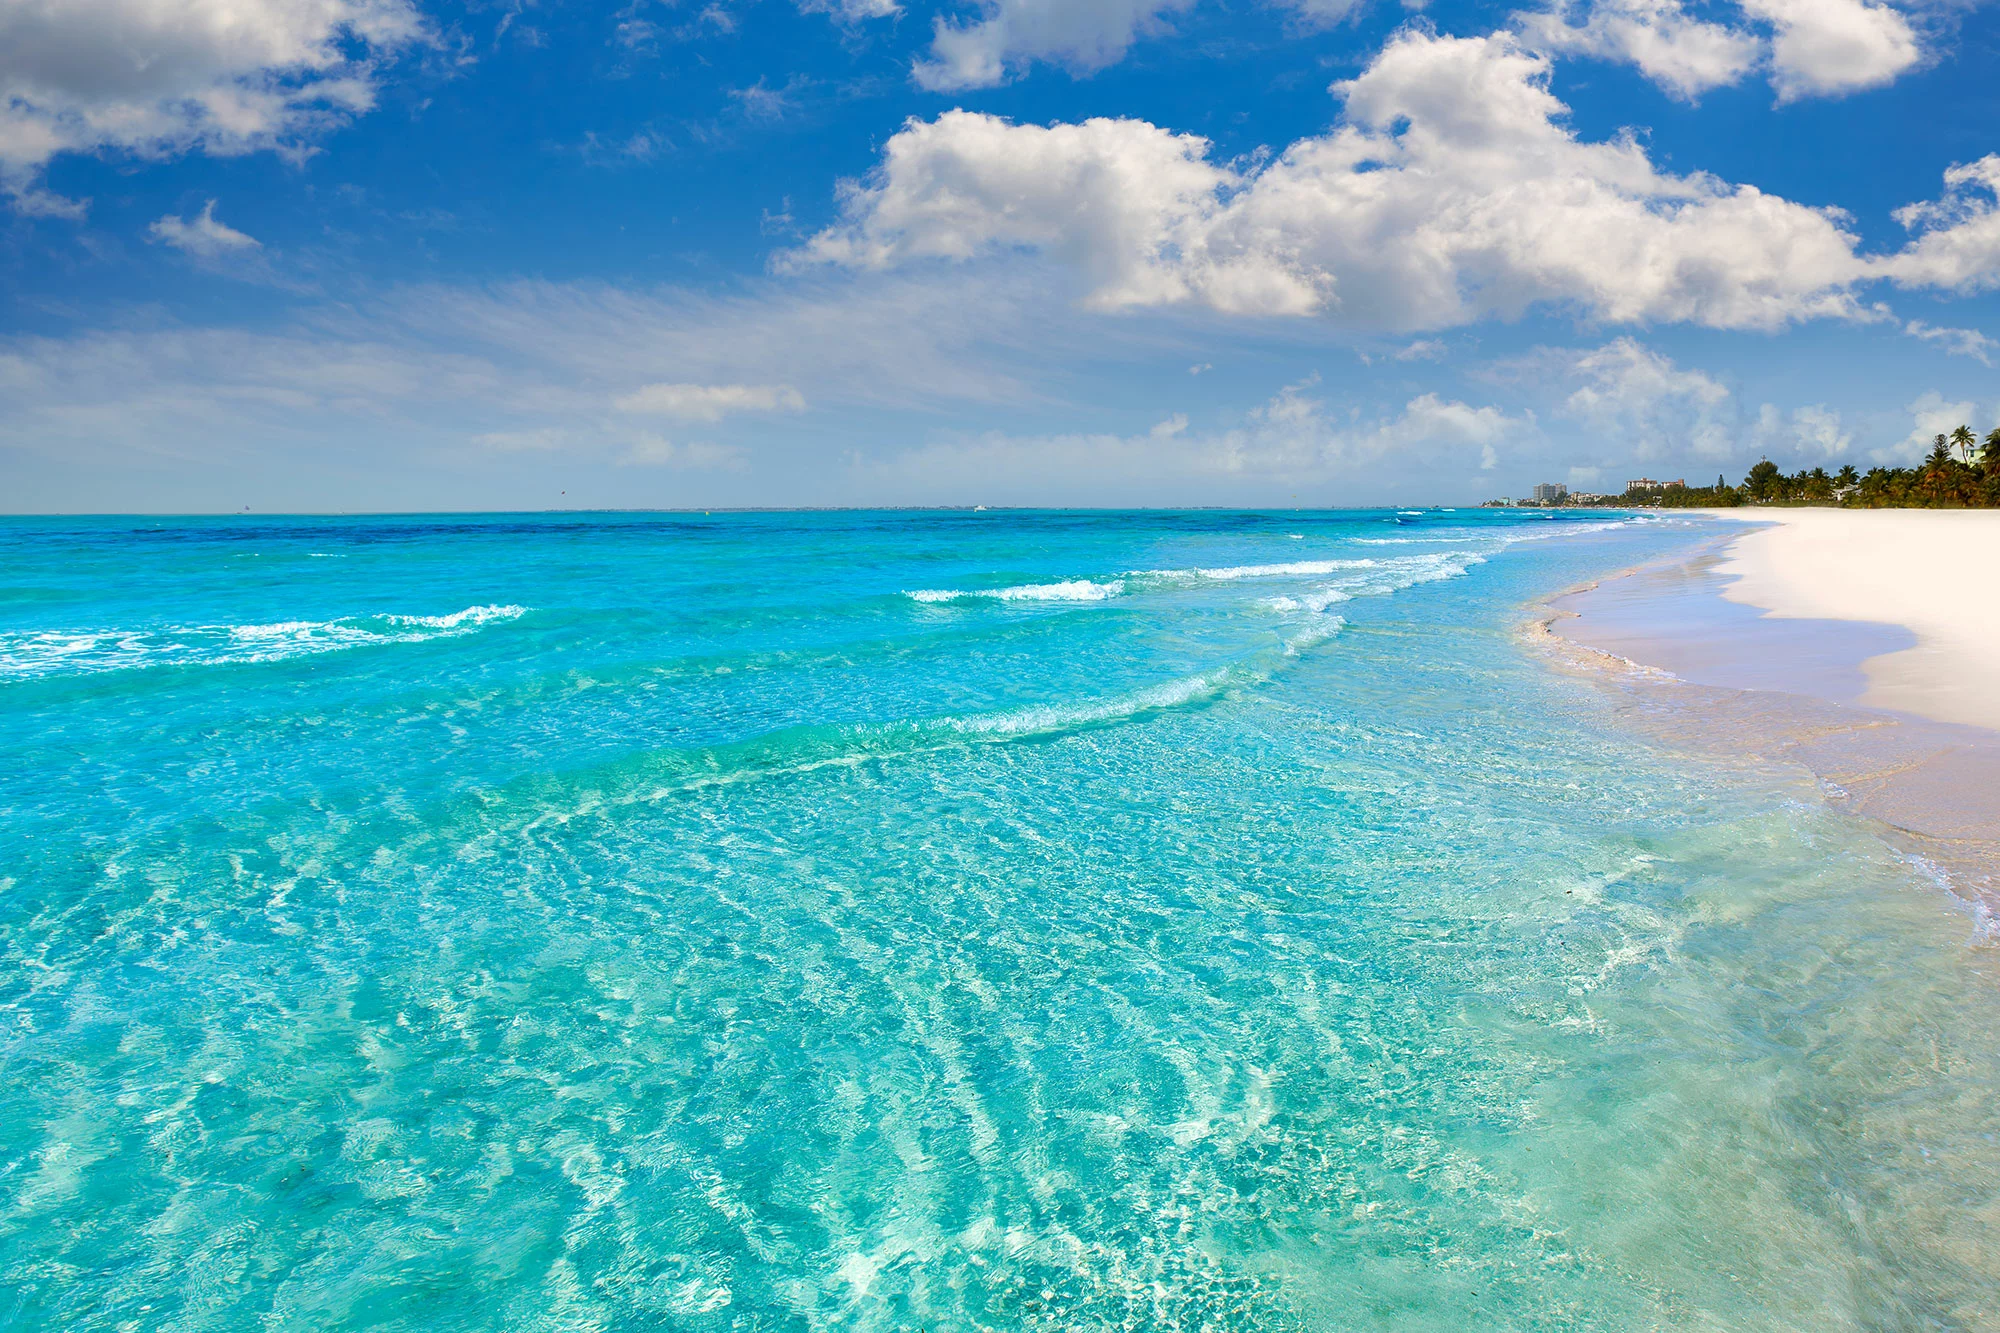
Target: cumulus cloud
x=1453, y=192
x=711, y=402
x=1931, y=415
x=1636, y=400
x=224, y=76
x=1116, y=198
x=1957, y=237
x=1815, y=48
x=1823, y=47
x=1814, y=432
x=1684, y=55
x=204, y=237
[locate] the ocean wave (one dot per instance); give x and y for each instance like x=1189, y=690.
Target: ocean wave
x=1460, y=536
x=1312, y=603
x=800, y=750
x=1040, y=719
x=1316, y=630
x=1457, y=536
x=30, y=654
x=1230, y=573
x=1563, y=530
x=1074, y=590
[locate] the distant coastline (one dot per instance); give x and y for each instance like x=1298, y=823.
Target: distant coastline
x=1960, y=472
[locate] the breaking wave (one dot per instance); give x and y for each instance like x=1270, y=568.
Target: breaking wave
x=1075, y=590
x=1229, y=573
x=30, y=654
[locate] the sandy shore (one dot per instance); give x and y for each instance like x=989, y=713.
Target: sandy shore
x=1863, y=646
x=1935, y=573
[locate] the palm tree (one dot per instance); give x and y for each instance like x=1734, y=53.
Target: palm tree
x=1965, y=440
x=1990, y=455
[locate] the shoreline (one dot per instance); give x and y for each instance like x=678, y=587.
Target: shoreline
x=1930, y=572
x=1692, y=667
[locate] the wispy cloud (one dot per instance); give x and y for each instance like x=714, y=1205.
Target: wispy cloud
x=202, y=236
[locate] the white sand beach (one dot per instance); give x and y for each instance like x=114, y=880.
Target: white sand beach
x=1934, y=572
x=1863, y=645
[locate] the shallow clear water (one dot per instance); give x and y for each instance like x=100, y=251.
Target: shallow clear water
x=944, y=922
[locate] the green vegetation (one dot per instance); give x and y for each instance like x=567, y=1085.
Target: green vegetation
x=1960, y=472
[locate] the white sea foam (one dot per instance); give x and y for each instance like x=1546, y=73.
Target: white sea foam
x=1460, y=536
x=1312, y=603
x=471, y=615
x=1074, y=590
x=1455, y=537
x=1229, y=573
x=35, y=653
x=1316, y=630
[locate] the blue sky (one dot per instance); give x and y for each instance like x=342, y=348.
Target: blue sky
x=396, y=254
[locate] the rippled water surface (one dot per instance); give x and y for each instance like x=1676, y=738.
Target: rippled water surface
x=936, y=922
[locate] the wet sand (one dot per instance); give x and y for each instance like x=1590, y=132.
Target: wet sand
x=1695, y=666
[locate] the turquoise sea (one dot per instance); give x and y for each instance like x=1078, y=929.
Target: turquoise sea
x=938, y=921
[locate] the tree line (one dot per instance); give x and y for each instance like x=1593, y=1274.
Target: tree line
x=1960, y=472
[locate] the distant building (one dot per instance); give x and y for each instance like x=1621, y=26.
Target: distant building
x=1549, y=492
x=1648, y=484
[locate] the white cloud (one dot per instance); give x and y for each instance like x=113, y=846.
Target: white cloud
x=852, y=11
x=1326, y=12
x=545, y=440
x=1290, y=440
x=1684, y=55
x=1084, y=35
x=1816, y=48
x=1957, y=241
x=1638, y=401
x=461, y=388
x=711, y=402
x=147, y=77
x=652, y=451
x=1816, y=432
x=1958, y=342
x=1453, y=193
x=1931, y=415
x=1113, y=197
x=204, y=237
x=1824, y=47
